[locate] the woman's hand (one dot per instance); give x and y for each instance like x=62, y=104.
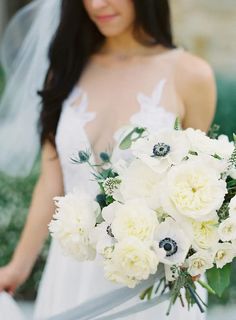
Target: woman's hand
x=11, y=278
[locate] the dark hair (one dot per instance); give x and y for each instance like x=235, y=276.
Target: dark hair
x=76, y=39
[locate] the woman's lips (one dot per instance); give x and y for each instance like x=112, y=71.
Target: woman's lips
x=106, y=18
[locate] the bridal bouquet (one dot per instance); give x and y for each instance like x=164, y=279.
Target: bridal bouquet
x=171, y=206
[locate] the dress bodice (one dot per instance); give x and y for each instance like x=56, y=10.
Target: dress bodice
x=71, y=135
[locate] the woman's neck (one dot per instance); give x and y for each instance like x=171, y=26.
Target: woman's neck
x=124, y=46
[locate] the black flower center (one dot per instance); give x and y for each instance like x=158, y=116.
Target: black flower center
x=109, y=231
x=160, y=149
x=169, y=245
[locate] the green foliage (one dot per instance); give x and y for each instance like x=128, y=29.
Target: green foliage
x=15, y=197
x=226, y=104
x=219, y=279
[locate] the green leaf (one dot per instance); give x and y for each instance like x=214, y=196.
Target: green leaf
x=127, y=141
x=206, y=286
x=213, y=133
x=219, y=279
x=177, y=125
x=231, y=183
x=234, y=137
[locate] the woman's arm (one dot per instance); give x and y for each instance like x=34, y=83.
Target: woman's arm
x=196, y=87
x=49, y=185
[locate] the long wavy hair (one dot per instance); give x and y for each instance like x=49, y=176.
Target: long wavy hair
x=76, y=39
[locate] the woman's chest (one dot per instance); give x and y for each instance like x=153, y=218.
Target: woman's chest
x=103, y=102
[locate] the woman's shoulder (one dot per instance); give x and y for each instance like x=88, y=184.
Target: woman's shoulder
x=195, y=83
x=191, y=69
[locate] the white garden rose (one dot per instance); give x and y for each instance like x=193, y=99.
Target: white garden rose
x=132, y=261
x=232, y=207
x=134, y=219
x=199, y=262
x=220, y=166
x=199, y=142
x=72, y=223
x=162, y=150
x=227, y=229
x=174, y=240
x=193, y=190
x=139, y=181
x=113, y=274
x=224, y=253
x=223, y=147
x=205, y=234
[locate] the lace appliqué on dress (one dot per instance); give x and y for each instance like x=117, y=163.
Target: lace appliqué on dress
x=152, y=115
x=81, y=108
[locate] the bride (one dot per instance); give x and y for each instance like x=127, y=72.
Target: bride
x=111, y=63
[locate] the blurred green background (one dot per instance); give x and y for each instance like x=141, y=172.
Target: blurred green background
x=15, y=196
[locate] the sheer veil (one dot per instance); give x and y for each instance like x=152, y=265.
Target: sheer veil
x=24, y=58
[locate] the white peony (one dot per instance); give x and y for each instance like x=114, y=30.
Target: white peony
x=232, y=207
x=227, y=229
x=72, y=223
x=224, y=253
x=174, y=240
x=162, y=150
x=205, y=234
x=134, y=219
x=193, y=190
x=139, y=181
x=199, y=262
x=132, y=261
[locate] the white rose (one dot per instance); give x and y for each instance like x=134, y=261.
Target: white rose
x=205, y=234
x=193, y=190
x=199, y=262
x=72, y=223
x=139, y=181
x=134, y=218
x=232, y=207
x=224, y=253
x=162, y=150
x=227, y=229
x=174, y=240
x=131, y=259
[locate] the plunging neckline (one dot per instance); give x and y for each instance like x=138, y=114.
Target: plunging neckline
x=147, y=103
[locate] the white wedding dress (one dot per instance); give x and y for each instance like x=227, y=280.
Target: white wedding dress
x=67, y=283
